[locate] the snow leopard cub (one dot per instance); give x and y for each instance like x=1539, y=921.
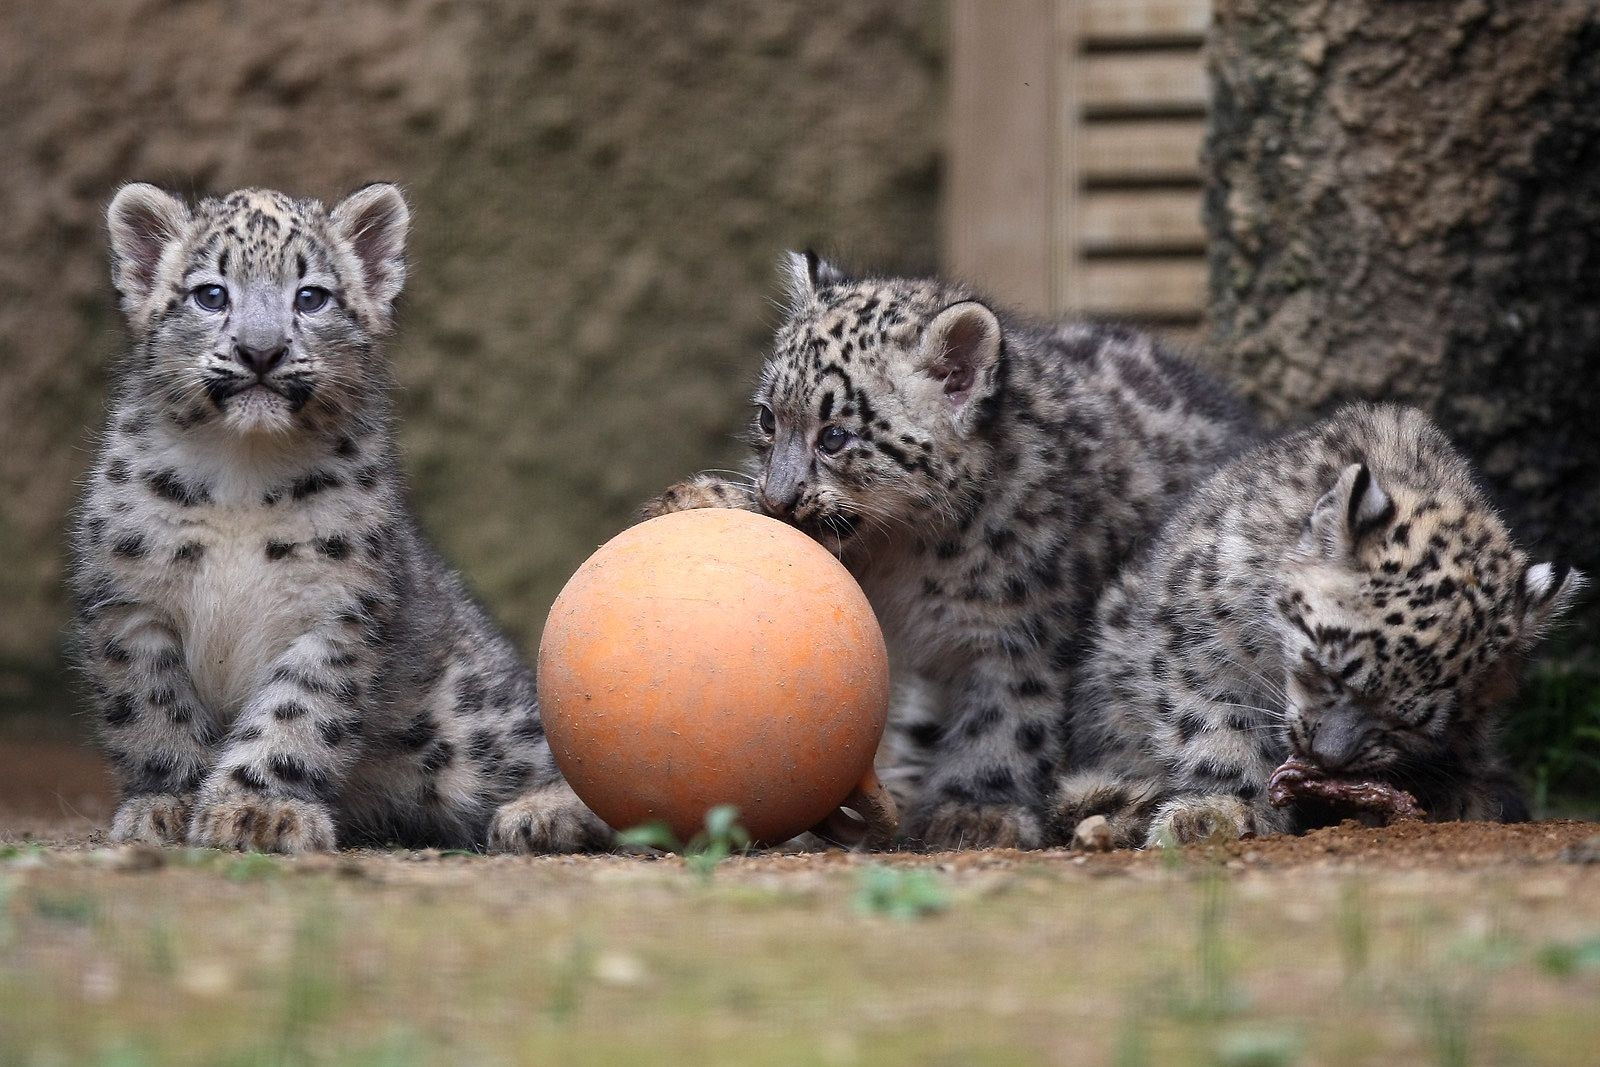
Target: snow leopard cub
x=982, y=477
x=278, y=659
x=1347, y=595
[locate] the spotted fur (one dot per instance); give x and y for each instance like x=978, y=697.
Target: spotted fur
x=982, y=477
x=278, y=659
x=1346, y=594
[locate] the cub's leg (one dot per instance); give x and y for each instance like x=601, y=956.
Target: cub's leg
x=159, y=737
x=1218, y=781
x=994, y=759
x=291, y=748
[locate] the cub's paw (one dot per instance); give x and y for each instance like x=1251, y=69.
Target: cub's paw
x=155, y=819
x=263, y=824
x=549, y=819
x=1126, y=805
x=950, y=824
x=701, y=491
x=1190, y=820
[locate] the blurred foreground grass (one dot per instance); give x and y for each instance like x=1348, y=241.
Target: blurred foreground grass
x=127, y=958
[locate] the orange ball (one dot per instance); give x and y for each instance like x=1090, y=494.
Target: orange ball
x=714, y=657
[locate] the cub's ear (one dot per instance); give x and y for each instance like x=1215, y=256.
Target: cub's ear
x=1353, y=508
x=143, y=222
x=804, y=273
x=374, y=220
x=1547, y=592
x=961, y=350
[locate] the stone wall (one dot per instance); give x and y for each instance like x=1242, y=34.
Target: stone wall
x=601, y=190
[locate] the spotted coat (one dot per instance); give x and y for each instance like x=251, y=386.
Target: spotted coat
x=1346, y=594
x=277, y=659
x=982, y=477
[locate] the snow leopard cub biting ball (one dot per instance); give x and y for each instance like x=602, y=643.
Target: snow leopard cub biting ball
x=982, y=478
x=278, y=659
x=1345, y=595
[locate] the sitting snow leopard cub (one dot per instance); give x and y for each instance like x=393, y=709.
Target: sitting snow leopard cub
x=1345, y=595
x=278, y=659
x=982, y=478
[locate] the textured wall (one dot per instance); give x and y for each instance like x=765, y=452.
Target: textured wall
x=1402, y=203
x=601, y=190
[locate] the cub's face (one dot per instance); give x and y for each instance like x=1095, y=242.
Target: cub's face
x=256, y=312
x=866, y=407
x=1406, y=622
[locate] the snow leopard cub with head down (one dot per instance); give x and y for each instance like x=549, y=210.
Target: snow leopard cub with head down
x=278, y=659
x=982, y=477
x=1345, y=595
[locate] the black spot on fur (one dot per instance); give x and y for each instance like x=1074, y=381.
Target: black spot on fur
x=289, y=711
x=1031, y=736
x=334, y=547
x=315, y=482
x=438, y=757
x=469, y=694
x=249, y=780
x=418, y=735
x=982, y=721
x=129, y=546
x=288, y=769
x=1029, y=686
x=122, y=710
x=167, y=485
x=277, y=550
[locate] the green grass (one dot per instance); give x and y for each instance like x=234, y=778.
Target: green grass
x=1553, y=737
x=788, y=962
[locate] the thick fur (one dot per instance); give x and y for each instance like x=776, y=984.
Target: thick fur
x=1347, y=594
x=983, y=478
x=278, y=659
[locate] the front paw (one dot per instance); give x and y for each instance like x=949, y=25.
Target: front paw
x=1191, y=820
x=154, y=819
x=551, y=819
x=263, y=824
x=701, y=491
x=953, y=824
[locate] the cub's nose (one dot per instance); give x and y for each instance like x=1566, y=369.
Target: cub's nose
x=261, y=360
x=778, y=506
x=1338, y=739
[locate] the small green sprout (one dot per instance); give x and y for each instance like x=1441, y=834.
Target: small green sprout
x=1563, y=959
x=1256, y=1047
x=721, y=838
x=251, y=867
x=900, y=894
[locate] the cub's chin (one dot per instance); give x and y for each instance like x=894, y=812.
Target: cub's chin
x=258, y=410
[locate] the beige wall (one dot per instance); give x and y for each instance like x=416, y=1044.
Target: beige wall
x=601, y=189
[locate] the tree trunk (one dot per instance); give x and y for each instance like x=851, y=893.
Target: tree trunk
x=1404, y=203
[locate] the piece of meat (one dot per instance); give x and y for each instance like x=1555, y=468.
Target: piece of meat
x=1299, y=778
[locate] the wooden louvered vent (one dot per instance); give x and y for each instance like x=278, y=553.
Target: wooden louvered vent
x=1074, y=179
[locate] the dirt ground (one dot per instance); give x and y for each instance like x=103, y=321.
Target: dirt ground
x=1447, y=944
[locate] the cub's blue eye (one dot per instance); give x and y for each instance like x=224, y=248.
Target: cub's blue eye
x=832, y=439
x=766, y=419
x=210, y=297
x=310, y=298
